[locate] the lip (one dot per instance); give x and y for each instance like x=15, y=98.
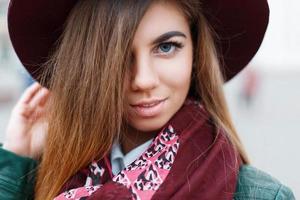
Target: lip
x=148, y=108
x=147, y=103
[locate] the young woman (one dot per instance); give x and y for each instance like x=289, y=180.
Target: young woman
x=136, y=108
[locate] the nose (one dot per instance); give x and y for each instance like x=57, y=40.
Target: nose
x=144, y=75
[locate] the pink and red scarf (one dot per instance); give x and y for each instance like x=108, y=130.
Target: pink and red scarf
x=188, y=159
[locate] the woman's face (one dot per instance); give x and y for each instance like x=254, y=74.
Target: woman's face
x=160, y=77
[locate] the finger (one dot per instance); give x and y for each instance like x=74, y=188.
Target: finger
x=45, y=97
x=38, y=115
x=39, y=98
x=30, y=93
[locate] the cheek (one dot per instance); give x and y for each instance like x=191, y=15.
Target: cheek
x=176, y=72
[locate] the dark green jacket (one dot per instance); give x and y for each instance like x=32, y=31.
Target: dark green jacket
x=17, y=181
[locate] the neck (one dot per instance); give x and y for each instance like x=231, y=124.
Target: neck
x=132, y=138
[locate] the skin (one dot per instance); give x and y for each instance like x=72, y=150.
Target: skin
x=159, y=70
x=27, y=127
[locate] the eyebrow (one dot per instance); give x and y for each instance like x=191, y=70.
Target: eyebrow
x=168, y=35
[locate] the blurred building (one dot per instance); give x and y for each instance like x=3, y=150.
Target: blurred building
x=281, y=46
x=11, y=83
x=4, y=39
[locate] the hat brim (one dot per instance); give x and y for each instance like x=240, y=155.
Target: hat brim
x=35, y=25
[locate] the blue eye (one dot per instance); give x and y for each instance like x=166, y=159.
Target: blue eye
x=165, y=47
x=168, y=48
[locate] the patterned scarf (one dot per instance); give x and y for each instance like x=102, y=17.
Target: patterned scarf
x=188, y=159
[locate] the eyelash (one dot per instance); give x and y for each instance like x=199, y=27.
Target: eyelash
x=175, y=44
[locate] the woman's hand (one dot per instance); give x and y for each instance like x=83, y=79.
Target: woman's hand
x=27, y=127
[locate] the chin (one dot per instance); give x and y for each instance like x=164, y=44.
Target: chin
x=148, y=126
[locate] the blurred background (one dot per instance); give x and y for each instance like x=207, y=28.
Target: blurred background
x=264, y=99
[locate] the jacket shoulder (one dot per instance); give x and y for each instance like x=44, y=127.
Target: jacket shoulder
x=256, y=184
x=17, y=176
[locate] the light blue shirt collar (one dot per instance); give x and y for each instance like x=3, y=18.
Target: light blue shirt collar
x=119, y=161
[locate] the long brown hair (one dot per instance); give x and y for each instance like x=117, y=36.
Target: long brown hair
x=86, y=73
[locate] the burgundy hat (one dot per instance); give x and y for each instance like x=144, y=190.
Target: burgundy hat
x=35, y=25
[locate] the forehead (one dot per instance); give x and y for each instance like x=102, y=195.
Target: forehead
x=160, y=18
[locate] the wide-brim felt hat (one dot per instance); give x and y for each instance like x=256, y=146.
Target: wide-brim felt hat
x=35, y=25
